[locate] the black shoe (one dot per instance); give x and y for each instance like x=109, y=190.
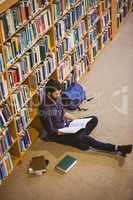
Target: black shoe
x=125, y=149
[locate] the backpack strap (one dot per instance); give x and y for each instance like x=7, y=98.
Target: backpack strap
x=89, y=99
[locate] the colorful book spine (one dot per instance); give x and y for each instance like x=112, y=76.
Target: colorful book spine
x=66, y=67
x=6, y=141
x=24, y=140
x=16, y=16
x=5, y=115
x=43, y=72
x=20, y=97
x=41, y=94
x=68, y=81
x=27, y=37
x=3, y=87
x=81, y=67
x=6, y=167
x=70, y=18
x=22, y=119
x=2, y=67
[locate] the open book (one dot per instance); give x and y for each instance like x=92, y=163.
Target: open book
x=75, y=125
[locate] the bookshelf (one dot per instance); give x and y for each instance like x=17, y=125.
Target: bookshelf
x=39, y=40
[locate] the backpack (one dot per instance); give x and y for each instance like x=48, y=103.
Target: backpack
x=73, y=96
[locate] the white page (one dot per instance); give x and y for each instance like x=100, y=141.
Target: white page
x=69, y=130
x=79, y=122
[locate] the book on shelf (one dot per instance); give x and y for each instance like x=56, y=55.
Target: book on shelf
x=43, y=72
x=6, y=166
x=16, y=16
x=70, y=17
x=5, y=115
x=6, y=140
x=68, y=81
x=22, y=119
x=20, y=98
x=24, y=140
x=3, y=87
x=41, y=94
x=66, y=67
x=81, y=67
x=66, y=164
x=2, y=67
x=27, y=37
x=38, y=165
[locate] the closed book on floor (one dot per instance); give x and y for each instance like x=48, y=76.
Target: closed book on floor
x=66, y=163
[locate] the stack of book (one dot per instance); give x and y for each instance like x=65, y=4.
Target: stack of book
x=6, y=167
x=38, y=165
x=6, y=140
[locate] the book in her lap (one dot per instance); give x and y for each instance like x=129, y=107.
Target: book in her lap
x=66, y=163
x=75, y=125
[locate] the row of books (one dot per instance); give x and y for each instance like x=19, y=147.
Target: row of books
x=81, y=67
x=91, y=3
x=3, y=87
x=22, y=119
x=32, y=58
x=66, y=67
x=123, y=7
x=6, y=140
x=68, y=45
x=75, y=11
x=93, y=16
x=5, y=115
x=23, y=40
x=24, y=140
x=28, y=8
x=94, y=51
x=20, y=97
x=17, y=15
x=72, y=16
x=2, y=67
x=41, y=95
x=42, y=73
x=107, y=3
x=61, y=7
x=106, y=18
x=106, y=34
x=78, y=31
x=69, y=80
x=6, y=166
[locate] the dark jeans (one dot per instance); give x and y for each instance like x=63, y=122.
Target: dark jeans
x=82, y=139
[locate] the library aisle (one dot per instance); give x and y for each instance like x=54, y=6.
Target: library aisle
x=97, y=175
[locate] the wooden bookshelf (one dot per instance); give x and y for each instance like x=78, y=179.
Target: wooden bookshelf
x=95, y=24
x=6, y=4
